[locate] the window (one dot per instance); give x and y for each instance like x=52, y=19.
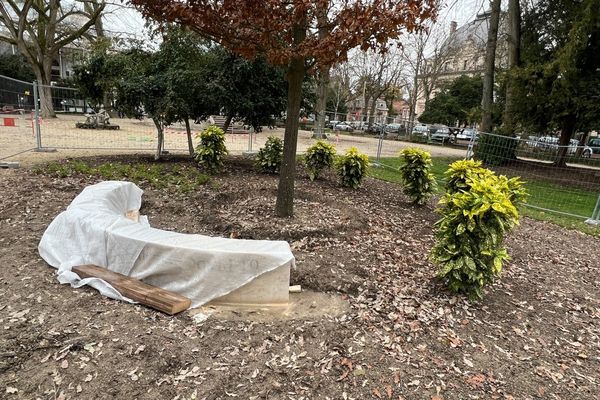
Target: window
x=465, y=65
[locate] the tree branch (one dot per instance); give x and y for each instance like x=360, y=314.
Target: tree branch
x=79, y=32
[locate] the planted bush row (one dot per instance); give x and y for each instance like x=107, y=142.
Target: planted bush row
x=351, y=167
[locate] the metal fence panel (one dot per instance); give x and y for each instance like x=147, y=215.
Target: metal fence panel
x=567, y=185
x=570, y=188
x=132, y=135
x=17, y=134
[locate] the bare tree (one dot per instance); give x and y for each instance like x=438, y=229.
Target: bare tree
x=427, y=56
x=40, y=28
x=339, y=86
x=374, y=74
x=487, y=99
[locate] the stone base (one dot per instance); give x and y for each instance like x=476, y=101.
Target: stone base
x=9, y=164
x=319, y=136
x=250, y=153
x=269, y=289
x=593, y=222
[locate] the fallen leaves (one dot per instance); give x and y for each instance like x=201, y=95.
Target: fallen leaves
x=405, y=336
x=11, y=390
x=476, y=381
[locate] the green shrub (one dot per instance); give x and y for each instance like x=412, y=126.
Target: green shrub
x=319, y=156
x=269, y=157
x=477, y=212
x=417, y=179
x=456, y=175
x=352, y=167
x=211, y=150
x=496, y=150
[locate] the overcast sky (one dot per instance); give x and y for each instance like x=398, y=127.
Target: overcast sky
x=461, y=11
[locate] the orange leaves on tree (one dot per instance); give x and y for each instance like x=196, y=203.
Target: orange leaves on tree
x=266, y=27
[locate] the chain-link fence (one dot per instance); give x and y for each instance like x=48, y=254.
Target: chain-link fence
x=563, y=180
x=78, y=126
x=560, y=179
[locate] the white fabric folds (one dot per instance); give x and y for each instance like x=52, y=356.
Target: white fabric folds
x=94, y=230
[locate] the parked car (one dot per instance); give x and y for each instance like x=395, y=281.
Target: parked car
x=331, y=124
x=551, y=143
x=393, y=128
x=546, y=142
x=592, y=149
x=356, y=124
x=467, y=134
x=375, y=129
x=420, y=130
x=344, y=126
x=440, y=133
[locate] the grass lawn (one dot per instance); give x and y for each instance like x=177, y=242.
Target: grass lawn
x=541, y=194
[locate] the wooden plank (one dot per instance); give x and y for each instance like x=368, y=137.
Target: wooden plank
x=148, y=295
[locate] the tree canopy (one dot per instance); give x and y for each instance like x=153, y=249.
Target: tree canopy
x=457, y=104
x=15, y=66
x=558, y=85
x=187, y=78
x=252, y=91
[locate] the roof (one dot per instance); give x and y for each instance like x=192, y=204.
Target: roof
x=475, y=31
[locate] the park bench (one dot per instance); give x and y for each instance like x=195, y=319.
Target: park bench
x=234, y=127
x=102, y=227
x=8, y=109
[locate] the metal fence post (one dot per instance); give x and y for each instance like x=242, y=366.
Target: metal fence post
x=470, y=148
x=38, y=134
x=380, y=144
x=595, y=220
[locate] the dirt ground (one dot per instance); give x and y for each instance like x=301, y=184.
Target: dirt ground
x=536, y=335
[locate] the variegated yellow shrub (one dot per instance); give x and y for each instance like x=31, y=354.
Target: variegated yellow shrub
x=478, y=210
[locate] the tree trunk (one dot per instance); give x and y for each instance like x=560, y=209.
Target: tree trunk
x=364, y=118
x=321, y=105
x=227, y=122
x=188, y=131
x=487, y=99
x=161, y=138
x=43, y=77
x=372, y=112
x=566, y=134
x=412, y=106
x=285, y=190
x=514, y=59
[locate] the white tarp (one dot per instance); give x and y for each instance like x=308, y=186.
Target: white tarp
x=94, y=230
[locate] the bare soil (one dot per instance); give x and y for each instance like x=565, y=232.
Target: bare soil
x=535, y=335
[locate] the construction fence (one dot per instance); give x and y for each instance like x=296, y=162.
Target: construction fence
x=568, y=185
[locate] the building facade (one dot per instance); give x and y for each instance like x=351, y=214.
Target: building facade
x=358, y=112
x=462, y=53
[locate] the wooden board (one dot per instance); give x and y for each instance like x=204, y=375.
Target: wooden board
x=148, y=295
